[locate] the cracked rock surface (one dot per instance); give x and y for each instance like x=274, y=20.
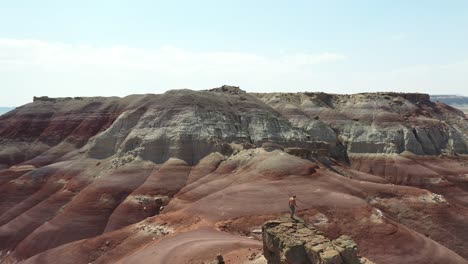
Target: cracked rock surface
x=288, y=241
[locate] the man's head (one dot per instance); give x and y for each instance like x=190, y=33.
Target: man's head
x=294, y=196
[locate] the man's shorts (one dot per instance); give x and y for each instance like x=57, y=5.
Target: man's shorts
x=292, y=208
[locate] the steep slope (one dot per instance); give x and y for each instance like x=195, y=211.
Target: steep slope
x=83, y=179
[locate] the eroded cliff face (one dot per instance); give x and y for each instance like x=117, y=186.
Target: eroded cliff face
x=189, y=125
x=385, y=123
x=185, y=175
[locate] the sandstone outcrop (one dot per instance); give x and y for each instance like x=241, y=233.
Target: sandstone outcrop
x=294, y=242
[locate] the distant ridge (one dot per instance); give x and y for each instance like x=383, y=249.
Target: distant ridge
x=457, y=101
x=451, y=99
x=4, y=109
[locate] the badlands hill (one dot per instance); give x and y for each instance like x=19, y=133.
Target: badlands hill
x=82, y=180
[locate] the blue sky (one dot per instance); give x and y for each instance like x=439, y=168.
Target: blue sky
x=87, y=48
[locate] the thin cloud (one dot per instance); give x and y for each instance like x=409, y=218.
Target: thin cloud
x=52, y=55
x=34, y=67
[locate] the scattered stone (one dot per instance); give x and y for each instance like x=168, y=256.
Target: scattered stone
x=257, y=231
x=437, y=198
x=432, y=198
x=365, y=261
x=253, y=256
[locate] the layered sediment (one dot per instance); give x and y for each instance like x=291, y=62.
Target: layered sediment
x=105, y=180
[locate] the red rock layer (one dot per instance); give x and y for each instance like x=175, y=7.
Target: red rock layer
x=83, y=180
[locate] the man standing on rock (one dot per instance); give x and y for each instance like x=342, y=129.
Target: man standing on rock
x=292, y=205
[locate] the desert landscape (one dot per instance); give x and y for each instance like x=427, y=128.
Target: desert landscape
x=190, y=176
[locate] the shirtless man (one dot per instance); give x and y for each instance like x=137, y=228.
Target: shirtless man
x=292, y=205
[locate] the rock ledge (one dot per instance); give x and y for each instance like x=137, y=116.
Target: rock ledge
x=287, y=241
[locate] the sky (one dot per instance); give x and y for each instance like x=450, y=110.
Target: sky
x=116, y=48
